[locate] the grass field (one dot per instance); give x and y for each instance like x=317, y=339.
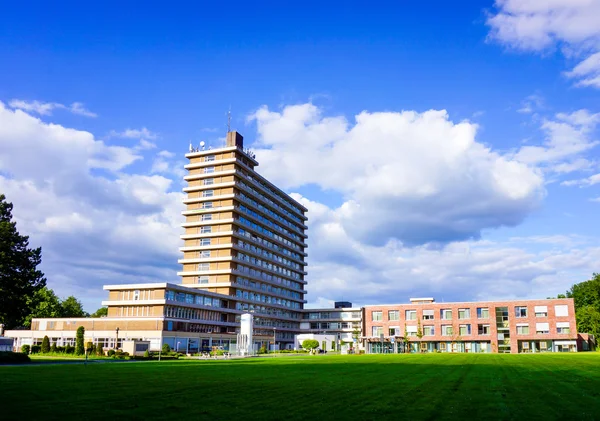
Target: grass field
x=369, y=387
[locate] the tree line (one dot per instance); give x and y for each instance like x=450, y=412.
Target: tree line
x=23, y=291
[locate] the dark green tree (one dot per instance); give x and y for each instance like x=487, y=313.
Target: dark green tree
x=586, y=296
x=71, y=307
x=101, y=312
x=79, y=348
x=43, y=304
x=45, y=345
x=19, y=276
x=310, y=344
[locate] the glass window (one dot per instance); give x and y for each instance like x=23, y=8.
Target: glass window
x=205, y=230
x=205, y=242
x=209, y=181
x=464, y=313
x=561, y=310
x=446, y=330
x=563, y=327
x=541, y=311
x=377, y=316
x=446, y=314
x=377, y=331
x=428, y=314
x=522, y=329
x=542, y=328
x=483, y=329
x=203, y=280
x=208, y=193
x=483, y=313
x=170, y=295
x=205, y=253
x=136, y=295
x=209, y=158
x=520, y=312
x=204, y=266
x=189, y=298
x=207, y=205
x=207, y=217
x=394, y=331
x=393, y=315
x=411, y=314
x=464, y=330
x=428, y=331
x=208, y=170
x=207, y=301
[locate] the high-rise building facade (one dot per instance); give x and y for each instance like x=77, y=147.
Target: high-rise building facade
x=244, y=238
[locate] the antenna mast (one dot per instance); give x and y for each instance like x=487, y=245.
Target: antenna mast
x=229, y=120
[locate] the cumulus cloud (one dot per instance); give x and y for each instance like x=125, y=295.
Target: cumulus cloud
x=584, y=182
x=94, y=227
x=142, y=133
x=531, y=104
x=540, y=25
x=415, y=177
x=46, y=108
x=343, y=268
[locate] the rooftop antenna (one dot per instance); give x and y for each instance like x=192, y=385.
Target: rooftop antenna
x=229, y=120
x=202, y=144
x=191, y=147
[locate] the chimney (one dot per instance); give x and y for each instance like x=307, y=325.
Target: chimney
x=235, y=139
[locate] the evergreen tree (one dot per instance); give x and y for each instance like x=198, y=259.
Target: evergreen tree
x=43, y=304
x=79, y=349
x=71, y=307
x=101, y=312
x=19, y=276
x=45, y=345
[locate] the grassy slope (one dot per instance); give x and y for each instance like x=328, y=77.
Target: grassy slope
x=436, y=386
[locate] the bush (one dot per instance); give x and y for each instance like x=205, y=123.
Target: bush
x=25, y=349
x=45, y=348
x=36, y=349
x=147, y=354
x=310, y=344
x=54, y=349
x=111, y=352
x=14, y=357
x=79, y=350
x=262, y=350
x=69, y=349
x=333, y=345
x=99, y=350
x=166, y=348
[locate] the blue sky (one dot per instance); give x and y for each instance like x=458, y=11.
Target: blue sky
x=510, y=76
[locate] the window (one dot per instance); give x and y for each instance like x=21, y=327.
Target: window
x=542, y=328
x=208, y=170
x=464, y=313
x=207, y=205
x=208, y=181
x=483, y=329
x=205, y=253
x=205, y=242
x=442, y=346
x=428, y=331
x=520, y=312
x=205, y=230
x=411, y=330
x=563, y=327
x=446, y=330
x=395, y=331
x=207, y=217
x=411, y=314
x=393, y=315
x=446, y=314
x=464, y=330
x=377, y=331
x=189, y=298
x=136, y=295
x=377, y=316
x=522, y=329
x=541, y=311
x=561, y=311
x=209, y=158
x=428, y=314
x=203, y=279
x=208, y=193
x=483, y=313
x=169, y=295
x=204, y=266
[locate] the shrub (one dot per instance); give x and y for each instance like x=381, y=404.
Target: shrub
x=262, y=350
x=79, y=350
x=36, y=349
x=14, y=357
x=99, y=350
x=111, y=352
x=166, y=348
x=45, y=348
x=310, y=344
x=54, y=348
x=333, y=345
x=26, y=349
x=69, y=349
x=147, y=354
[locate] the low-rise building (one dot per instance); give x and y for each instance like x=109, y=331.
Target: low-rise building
x=343, y=321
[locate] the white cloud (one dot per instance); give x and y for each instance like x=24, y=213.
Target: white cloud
x=540, y=25
x=584, y=182
x=596, y=199
x=567, y=137
x=417, y=177
x=135, y=134
x=94, y=229
x=46, y=108
x=531, y=104
x=145, y=145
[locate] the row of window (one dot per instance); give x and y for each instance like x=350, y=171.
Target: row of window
x=465, y=313
x=177, y=312
x=269, y=212
x=269, y=223
x=268, y=200
x=331, y=325
x=269, y=244
x=269, y=255
x=465, y=330
x=260, y=321
x=267, y=287
x=193, y=299
x=269, y=311
x=267, y=299
x=333, y=315
x=267, y=265
x=255, y=272
x=135, y=311
x=268, y=233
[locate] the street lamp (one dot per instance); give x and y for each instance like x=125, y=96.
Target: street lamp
x=177, y=348
x=274, y=337
x=117, y=339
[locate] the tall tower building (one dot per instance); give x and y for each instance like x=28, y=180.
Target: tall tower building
x=244, y=238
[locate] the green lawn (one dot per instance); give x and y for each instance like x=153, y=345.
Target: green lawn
x=361, y=387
